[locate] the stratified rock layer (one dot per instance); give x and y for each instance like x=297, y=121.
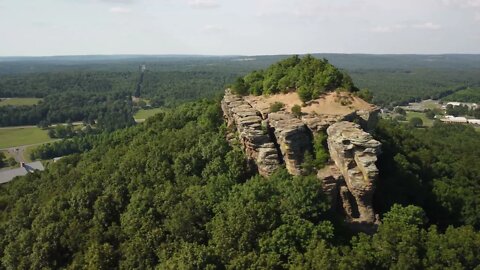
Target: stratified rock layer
x=271, y=139
x=354, y=152
x=293, y=137
x=252, y=133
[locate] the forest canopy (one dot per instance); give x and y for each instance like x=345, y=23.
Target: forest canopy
x=173, y=194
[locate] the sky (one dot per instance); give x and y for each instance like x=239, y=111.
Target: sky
x=238, y=27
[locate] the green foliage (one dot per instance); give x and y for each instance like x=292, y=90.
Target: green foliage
x=3, y=161
x=239, y=87
x=400, y=111
x=465, y=95
x=430, y=114
x=277, y=106
x=365, y=94
x=309, y=76
x=435, y=168
x=297, y=110
x=172, y=194
x=415, y=122
x=321, y=150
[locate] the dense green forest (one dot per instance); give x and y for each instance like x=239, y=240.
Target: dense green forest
x=76, y=88
x=308, y=76
x=173, y=194
x=465, y=95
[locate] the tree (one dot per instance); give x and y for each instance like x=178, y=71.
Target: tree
x=415, y=122
x=304, y=93
x=3, y=162
x=297, y=110
x=430, y=114
x=400, y=111
x=365, y=94
x=239, y=87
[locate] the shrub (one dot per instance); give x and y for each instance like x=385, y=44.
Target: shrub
x=297, y=110
x=277, y=106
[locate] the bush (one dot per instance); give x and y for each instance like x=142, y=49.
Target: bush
x=415, y=122
x=277, y=106
x=297, y=110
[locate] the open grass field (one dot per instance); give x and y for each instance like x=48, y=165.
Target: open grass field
x=144, y=114
x=19, y=101
x=426, y=122
x=16, y=136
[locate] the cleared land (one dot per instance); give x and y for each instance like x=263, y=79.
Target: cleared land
x=19, y=101
x=144, y=114
x=16, y=136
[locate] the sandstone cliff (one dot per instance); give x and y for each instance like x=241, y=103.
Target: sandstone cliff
x=354, y=153
x=252, y=134
x=277, y=139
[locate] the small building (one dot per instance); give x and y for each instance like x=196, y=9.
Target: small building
x=25, y=168
x=453, y=119
x=474, y=121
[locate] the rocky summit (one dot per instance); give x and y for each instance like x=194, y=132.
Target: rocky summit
x=274, y=139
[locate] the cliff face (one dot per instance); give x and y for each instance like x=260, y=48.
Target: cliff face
x=355, y=152
x=273, y=139
x=252, y=134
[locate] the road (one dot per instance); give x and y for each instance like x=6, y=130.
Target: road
x=18, y=152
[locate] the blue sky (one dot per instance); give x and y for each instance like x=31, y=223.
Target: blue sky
x=249, y=27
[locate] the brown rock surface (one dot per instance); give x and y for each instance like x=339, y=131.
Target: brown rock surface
x=355, y=152
x=293, y=137
x=252, y=135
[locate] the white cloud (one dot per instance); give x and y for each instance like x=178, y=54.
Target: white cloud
x=203, y=4
x=427, y=26
x=119, y=10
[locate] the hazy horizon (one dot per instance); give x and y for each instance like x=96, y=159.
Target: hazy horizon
x=250, y=27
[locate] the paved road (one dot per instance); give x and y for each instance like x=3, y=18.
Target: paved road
x=18, y=151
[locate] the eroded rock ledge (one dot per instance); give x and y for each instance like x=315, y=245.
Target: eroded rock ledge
x=271, y=140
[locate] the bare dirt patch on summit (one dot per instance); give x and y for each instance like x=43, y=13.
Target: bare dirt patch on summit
x=332, y=103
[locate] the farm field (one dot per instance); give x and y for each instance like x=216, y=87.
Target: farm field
x=19, y=101
x=144, y=114
x=16, y=136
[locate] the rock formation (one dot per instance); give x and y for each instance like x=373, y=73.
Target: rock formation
x=252, y=133
x=354, y=152
x=293, y=137
x=273, y=139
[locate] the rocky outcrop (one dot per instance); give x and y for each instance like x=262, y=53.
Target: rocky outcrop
x=252, y=133
x=273, y=139
x=293, y=137
x=355, y=152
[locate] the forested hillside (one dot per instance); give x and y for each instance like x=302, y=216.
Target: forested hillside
x=173, y=194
